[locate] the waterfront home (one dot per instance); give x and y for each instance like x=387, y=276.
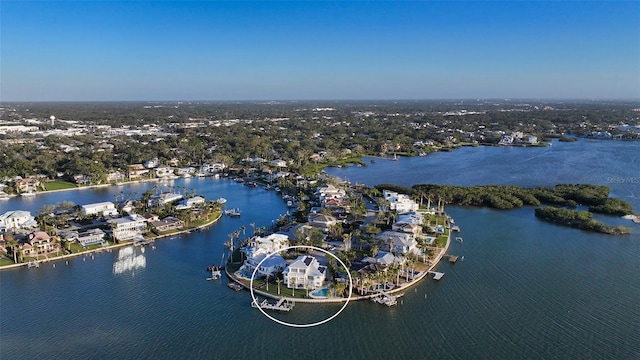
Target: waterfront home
x=321, y=221
x=16, y=219
x=115, y=176
x=305, y=272
x=137, y=170
x=401, y=203
x=399, y=242
x=126, y=228
x=164, y=171
x=105, y=208
x=37, y=242
x=163, y=199
x=167, y=224
x=259, y=249
x=186, y=171
x=28, y=185
x=86, y=238
x=212, y=168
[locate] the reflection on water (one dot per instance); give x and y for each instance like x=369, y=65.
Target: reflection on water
x=128, y=260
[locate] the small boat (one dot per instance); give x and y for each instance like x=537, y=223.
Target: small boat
x=221, y=200
x=455, y=228
x=281, y=305
x=232, y=212
x=28, y=194
x=459, y=239
x=235, y=286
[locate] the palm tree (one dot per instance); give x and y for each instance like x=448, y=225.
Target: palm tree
x=278, y=281
x=293, y=287
x=253, y=227
x=11, y=243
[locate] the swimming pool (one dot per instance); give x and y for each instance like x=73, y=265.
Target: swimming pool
x=320, y=293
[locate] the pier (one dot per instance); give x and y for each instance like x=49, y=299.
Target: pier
x=386, y=299
x=436, y=275
x=281, y=305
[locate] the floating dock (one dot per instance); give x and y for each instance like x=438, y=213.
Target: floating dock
x=436, y=275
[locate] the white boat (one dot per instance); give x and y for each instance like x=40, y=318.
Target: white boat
x=4, y=196
x=28, y=194
x=459, y=239
x=221, y=200
x=186, y=176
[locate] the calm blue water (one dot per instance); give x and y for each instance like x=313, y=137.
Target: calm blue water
x=526, y=289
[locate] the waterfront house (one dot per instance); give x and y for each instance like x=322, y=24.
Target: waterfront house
x=28, y=185
x=163, y=199
x=260, y=248
x=126, y=228
x=89, y=237
x=115, y=176
x=167, y=224
x=401, y=203
x=151, y=164
x=305, y=272
x=37, y=242
x=399, y=242
x=164, y=171
x=408, y=228
x=16, y=219
x=106, y=208
x=137, y=170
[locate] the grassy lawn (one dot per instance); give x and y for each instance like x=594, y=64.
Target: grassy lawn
x=4, y=261
x=59, y=185
x=76, y=247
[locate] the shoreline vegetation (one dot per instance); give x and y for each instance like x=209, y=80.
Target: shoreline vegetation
x=568, y=196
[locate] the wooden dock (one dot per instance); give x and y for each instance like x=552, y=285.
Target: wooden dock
x=235, y=286
x=436, y=275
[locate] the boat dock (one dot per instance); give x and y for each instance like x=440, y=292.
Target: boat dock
x=453, y=258
x=281, y=305
x=386, y=299
x=235, y=286
x=436, y=275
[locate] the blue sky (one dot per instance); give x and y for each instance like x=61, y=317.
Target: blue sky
x=162, y=50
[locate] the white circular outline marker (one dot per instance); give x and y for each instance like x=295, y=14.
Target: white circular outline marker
x=255, y=300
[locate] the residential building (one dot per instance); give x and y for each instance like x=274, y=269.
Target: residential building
x=126, y=228
x=164, y=171
x=399, y=242
x=38, y=242
x=401, y=203
x=322, y=221
x=163, y=199
x=89, y=237
x=28, y=185
x=305, y=272
x=106, y=208
x=16, y=219
x=167, y=224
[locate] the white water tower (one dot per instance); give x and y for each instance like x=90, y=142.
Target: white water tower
x=53, y=120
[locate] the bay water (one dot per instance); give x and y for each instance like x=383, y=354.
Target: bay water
x=525, y=289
